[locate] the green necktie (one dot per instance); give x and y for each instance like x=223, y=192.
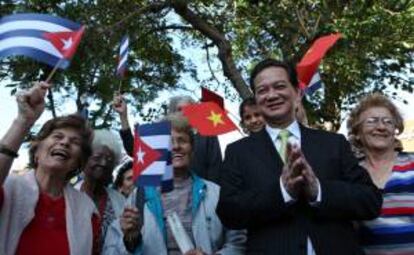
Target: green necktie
x=283, y=138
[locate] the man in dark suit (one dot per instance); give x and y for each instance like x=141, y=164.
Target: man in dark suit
x=306, y=205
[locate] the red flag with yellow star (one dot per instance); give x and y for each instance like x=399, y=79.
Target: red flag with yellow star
x=208, y=118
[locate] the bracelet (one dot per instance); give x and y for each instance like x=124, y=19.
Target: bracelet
x=7, y=151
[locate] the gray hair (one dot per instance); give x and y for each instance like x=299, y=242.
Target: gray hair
x=180, y=123
x=175, y=101
x=105, y=137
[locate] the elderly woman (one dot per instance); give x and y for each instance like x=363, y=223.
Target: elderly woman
x=193, y=199
x=40, y=213
x=372, y=128
x=106, y=152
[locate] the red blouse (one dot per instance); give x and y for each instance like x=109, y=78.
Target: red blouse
x=46, y=234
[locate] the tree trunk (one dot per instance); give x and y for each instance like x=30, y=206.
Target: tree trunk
x=223, y=45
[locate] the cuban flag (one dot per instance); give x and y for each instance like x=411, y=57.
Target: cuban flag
x=314, y=84
x=152, y=155
x=44, y=38
x=123, y=56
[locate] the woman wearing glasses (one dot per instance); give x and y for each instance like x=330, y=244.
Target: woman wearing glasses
x=373, y=126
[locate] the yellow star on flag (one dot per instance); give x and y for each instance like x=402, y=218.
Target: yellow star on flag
x=215, y=118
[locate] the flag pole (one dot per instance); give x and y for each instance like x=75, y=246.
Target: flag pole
x=236, y=118
x=53, y=71
x=120, y=86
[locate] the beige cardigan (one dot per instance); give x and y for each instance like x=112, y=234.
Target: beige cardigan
x=21, y=194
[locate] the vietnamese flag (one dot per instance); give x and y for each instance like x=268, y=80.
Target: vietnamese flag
x=308, y=65
x=66, y=42
x=208, y=118
x=209, y=96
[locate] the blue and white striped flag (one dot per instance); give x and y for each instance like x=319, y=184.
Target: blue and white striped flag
x=123, y=56
x=24, y=34
x=152, y=155
x=314, y=84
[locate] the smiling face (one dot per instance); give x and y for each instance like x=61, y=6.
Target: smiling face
x=60, y=152
x=275, y=96
x=100, y=165
x=377, y=129
x=181, y=150
x=252, y=119
x=127, y=183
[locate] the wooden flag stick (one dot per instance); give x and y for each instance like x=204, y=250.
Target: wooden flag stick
x=236, y=118
x=120, y=87
x=53, y=71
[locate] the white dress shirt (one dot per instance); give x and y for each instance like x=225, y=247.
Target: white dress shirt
x=295, y=138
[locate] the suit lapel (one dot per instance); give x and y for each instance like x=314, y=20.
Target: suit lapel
x=266, y=151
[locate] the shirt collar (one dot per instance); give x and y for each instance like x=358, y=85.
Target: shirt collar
x=293, y=128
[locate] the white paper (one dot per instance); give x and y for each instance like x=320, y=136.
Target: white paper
x=180, y=235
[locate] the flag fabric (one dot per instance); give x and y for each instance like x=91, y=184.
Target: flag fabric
x=123, y=56
x=66, y=42
x=308, y=65
x=209, y=96
x=152, y=154
x=208, y=118
x=314, y=84
x=42, y=37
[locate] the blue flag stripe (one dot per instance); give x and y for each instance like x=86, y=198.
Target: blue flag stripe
x=23, y=32
x=38, y=55
x=41, y=17
x=149, y=180
x=161, y=128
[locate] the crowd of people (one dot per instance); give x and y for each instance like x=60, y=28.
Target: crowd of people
x=284, y=188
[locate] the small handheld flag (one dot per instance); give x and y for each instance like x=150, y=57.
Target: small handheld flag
x=308, y=65
x=208, y=118
x=123, y=56
x=152, y=146
x=44, y=38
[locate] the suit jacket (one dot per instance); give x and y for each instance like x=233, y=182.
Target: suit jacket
x=251, y=198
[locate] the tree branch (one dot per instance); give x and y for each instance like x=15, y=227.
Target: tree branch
x=209, y=65
x=156, y=7
x=302, y=23
x=174, y=27
x=224, y=48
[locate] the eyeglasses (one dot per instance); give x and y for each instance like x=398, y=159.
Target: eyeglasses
x=374, y=121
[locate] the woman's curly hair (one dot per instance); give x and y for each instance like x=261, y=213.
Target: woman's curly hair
x=372, y=100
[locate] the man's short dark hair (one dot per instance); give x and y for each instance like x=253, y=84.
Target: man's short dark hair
x=291, y=71
x=250, y=101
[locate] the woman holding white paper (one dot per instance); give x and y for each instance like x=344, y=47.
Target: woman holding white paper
x=197, y=229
